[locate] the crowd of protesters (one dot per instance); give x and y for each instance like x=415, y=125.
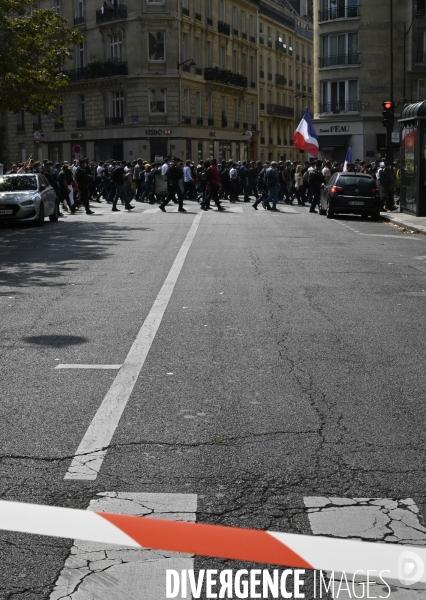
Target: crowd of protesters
x=207, y=182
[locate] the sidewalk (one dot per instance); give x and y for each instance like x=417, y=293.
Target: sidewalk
x=416, y=223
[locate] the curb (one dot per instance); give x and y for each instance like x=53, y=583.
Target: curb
x=399, y=221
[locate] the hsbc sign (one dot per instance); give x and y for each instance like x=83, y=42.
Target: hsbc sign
x=158, y=132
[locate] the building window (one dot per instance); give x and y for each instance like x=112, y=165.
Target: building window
x=80, y=56
x=252, y=69
x=418, y=90
x=339, y=96
x=198, y=7
x=244, y=111
x=117, y=105
x=155, y=1
x=208, y=9
x=223, y=105
x=81, y=108
x=115, y=47
x=198, y=104
x=339, y=50
x=197, y=57
x=157, y=101
x=186, y=104
x=421, y=47
x=243, y=22
x=185, y=46
x=37, y=122
x=79, y=9
x=236, y=110
x=210, y=106
x=209, y=54
x=235, y=18
x=185, y=4
x=235, y=61
x=222, y=11
x=156, y=46
x=342, y=9
x=223, y=57
x=56, y=5
x=21, y=120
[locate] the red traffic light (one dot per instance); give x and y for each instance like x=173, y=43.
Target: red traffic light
x=387, y=105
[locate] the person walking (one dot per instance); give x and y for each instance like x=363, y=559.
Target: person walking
x=272, y=181
x=188, y=184
x=82, y=178
x=173, y=174
x=213, y=184
x=119, y=176
x=316, y=179
x=65, y=181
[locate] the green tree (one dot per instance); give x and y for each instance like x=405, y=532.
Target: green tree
x=33, y=44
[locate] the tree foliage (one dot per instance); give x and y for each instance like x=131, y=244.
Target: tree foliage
x=33, y=44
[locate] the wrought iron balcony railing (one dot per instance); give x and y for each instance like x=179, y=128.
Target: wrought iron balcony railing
x=339, y=12
x=97, y=70
x=111, y=14
x=338, y=107
x=281, y=111
x=225, y=76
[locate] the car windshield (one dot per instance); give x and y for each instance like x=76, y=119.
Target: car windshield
x=361, y=182
x=18, y=183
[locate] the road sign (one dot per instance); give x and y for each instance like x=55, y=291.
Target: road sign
x=395, y=137
x=38, y=135
x=76, y=149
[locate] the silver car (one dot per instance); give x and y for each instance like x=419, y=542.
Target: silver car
x=27, y=197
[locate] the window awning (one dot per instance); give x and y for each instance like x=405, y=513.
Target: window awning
x=332, y=141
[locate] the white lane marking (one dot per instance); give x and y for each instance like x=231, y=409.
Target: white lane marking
x=288, y=209
x=394, y=237
x=420, y=257
x=369, y=519
x=79, y=366
x=112, y=572
x=93, y=447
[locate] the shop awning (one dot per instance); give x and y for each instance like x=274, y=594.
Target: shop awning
x=332, y=141
x=414, y=111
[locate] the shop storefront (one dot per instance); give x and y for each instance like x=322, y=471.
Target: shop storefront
x=413, y=159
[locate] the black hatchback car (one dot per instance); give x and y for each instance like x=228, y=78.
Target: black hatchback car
x=350, y=193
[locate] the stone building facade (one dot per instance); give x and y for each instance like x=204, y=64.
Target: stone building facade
x=352, y=43
x=187, y=78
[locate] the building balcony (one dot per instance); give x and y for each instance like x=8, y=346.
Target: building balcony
x=224, y=76
x=297, y=57
x=236, y=124
x=262, y=106
x=210, y=122
x=297, y=86
x=111, y=14
x=279, y=142
x=269, y=76
x=290, y=51
x=290, y=82
x=280, y=111
x=280, y=79
x=280, y=47
x=235, y=32
x=223, y=27
x=253, y=84
x=78, y=20
x=80, y=123
x=253, y=127
x=186, y=119
x=199, y=120
x=261, y=38
x=197, y=16
x=270, y=141
x=186, y=68
x=244, y=35
x=58, y=126
x=339, y=12
x=209, y=21
x=261, y=74
x=245, y=126
x=114, y=120
x=303, y=88
x=97, y=70
x=198, y=71
x=338, y=107
x=340, y=60
x=253, y=39
x=185, y=11
x=269, y=42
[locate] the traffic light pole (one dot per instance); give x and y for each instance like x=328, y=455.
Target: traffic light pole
x=389, y=129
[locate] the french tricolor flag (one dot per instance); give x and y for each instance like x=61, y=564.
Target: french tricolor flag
x=305, y=137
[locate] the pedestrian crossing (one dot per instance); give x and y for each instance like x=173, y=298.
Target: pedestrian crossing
x=96, y=570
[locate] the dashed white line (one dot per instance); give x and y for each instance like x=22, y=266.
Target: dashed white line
x=80, y=366
x=93, y=447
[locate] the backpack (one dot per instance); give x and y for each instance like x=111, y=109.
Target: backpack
x=315, y=178
x=208, y=175
x=271, y=177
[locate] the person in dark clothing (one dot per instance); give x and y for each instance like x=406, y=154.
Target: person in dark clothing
x=253, y=175
x=65, y=181
x=118, y=176
x=174, y=174
x=82, y=178
x=316, y=179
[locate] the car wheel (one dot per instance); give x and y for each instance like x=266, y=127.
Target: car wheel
x=55, y=215
x=40, y=220
x=329, y=212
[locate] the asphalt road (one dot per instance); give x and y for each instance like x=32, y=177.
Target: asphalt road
x=289, y=363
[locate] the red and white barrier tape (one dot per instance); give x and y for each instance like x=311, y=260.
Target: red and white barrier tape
x=298, y=551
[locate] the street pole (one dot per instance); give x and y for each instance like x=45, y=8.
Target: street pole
x=389, y=131
x=404, y=55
